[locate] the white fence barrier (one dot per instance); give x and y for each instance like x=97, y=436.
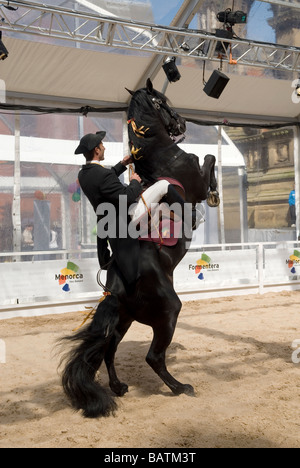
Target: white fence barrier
x=211, y=270
x=48, y=280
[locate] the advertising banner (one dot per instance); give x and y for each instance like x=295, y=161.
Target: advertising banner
x=48, y=280
x=281, y=265
x=215, y=269
x=199, y=271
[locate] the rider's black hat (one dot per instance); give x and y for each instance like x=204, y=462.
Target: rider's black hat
x=89, y=142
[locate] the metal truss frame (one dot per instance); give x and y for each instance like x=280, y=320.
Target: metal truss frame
x=284, y=3
x=59, y=23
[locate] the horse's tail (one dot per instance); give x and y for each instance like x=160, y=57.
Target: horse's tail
x=84, y=360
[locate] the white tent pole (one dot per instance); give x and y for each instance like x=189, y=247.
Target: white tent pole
x=165, y=86
x=220, y=186
x=84, y=221
x=241, y=172
x=66, y=221
x=16, y=206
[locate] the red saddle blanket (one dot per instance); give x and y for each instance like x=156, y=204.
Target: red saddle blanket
x=166, y=233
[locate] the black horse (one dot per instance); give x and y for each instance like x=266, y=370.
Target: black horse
x=152, y=124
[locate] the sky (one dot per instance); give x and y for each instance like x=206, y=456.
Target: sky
x=258, y=28
x=165, y=11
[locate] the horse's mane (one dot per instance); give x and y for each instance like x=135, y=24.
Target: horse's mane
x=145, y=117
x=147, y=133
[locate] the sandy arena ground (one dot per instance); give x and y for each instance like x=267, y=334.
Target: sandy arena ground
x=236, y=352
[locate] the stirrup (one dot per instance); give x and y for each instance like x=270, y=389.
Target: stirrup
x=198, y=216
x=213, y=199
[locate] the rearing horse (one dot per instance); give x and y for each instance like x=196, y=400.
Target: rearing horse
x=152, y=124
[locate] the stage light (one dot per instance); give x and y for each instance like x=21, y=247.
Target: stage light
x=171, y=70
x=185, y=47
x=3, y=49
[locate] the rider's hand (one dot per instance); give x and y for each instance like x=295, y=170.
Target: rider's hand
x=127, y=160
x=135, y=176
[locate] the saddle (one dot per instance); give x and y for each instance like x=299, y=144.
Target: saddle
x=162, y=227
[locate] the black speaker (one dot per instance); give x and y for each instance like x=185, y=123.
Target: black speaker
x=216, y=84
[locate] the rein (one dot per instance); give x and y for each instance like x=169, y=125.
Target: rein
x=158, y=104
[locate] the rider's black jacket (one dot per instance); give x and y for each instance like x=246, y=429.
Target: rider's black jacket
x=102, y=185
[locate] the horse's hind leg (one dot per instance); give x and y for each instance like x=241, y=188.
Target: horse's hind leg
x=118, y=387
x=156, y=357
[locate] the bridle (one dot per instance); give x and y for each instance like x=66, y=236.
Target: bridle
x=172, y=129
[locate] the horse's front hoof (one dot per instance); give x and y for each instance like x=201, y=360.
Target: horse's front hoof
x=213, y=199
x=198, y=217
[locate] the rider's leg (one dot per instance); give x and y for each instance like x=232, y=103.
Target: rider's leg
x=152, y=195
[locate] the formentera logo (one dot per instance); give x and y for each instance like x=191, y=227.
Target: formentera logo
x=293, y=262
x=204, y=264
x=68, y=276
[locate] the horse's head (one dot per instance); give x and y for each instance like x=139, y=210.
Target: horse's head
x=153, y=104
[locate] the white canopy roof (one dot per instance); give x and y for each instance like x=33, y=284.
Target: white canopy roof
x=67, y=75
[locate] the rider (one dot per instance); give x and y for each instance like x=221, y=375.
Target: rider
x=102, y=185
